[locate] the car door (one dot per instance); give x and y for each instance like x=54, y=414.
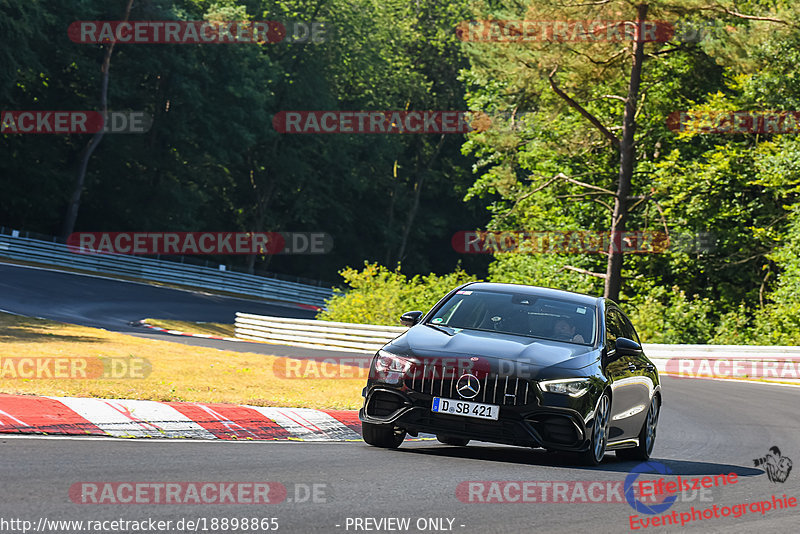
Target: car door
x=643, y=370
x=625, y=388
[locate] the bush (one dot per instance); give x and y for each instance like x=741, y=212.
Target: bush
x=778, y=323
x=668, y=316
x=735, y=328
x=379, y=296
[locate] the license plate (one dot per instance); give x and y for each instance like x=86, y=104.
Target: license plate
x=465, y=408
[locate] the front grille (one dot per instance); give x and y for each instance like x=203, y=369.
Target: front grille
x=439, y=381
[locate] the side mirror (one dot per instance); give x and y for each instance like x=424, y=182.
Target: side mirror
x=628, y=347
x=411, y=318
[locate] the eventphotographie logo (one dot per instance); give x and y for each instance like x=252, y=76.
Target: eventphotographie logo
x=777, y=467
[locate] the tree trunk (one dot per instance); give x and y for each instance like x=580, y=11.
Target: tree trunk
x=75, y=198
x=420, y=179
x=627, y=155
x=263, y=199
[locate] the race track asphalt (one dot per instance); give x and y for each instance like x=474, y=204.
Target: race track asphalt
x=707, y=427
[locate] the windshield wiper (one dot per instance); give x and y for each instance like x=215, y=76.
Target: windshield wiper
x=439, y=328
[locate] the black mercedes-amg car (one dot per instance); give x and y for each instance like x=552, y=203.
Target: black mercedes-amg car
x=519, y=365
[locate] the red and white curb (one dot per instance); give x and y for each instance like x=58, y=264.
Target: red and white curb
x=24, y=414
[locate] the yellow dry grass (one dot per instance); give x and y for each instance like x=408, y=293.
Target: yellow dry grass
x=214, y=329
x=178, y=372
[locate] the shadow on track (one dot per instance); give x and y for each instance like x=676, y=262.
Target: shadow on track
x=538, y=457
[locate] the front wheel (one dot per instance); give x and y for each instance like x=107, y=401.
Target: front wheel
x=647, y=436
x=386, y=436
x=597, y=447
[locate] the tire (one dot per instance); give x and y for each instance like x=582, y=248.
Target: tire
x=449, y=440
x=385, y=436
x=647, y=436
x=597, y=446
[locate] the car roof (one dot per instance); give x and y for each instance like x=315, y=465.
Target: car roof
x=570, y=296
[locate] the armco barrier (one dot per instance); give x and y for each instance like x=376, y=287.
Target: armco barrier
x=50, y=253
x=330, y=335
x=365, y=338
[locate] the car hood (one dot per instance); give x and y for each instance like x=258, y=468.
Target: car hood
x=424, y=341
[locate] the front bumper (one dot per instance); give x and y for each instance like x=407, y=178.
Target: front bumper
x=529, y=425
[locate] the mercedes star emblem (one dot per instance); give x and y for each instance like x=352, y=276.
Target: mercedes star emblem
x=468, y=386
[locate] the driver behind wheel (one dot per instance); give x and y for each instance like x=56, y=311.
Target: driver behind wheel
x=563, y=329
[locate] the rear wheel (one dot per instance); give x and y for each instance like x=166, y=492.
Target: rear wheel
x=597, y=447
x=386, y=436
x=647, y=436
x=450, y=440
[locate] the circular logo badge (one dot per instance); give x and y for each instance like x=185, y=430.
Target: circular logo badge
x=630, y=481
x=468, y=386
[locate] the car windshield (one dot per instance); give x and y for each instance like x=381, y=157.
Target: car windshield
x=518, y=314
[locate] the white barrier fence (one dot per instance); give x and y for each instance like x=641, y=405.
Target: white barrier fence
x=726, y=361
x=329, y=335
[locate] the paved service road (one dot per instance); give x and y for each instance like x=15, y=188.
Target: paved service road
x=113, y=304
x=707, y=428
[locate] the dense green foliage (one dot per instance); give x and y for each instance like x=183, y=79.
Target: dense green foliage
x=376, y=293
x=212, y=160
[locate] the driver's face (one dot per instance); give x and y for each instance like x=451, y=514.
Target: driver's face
x=562, y=327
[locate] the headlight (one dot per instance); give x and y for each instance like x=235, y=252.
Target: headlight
x=386, y=362
x=574, y=387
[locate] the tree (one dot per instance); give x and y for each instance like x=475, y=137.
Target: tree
x=75, y=199
x=566, y=150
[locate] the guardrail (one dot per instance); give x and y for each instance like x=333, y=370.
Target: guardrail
x=330, y=335
x=58, y=254
x=365, y=338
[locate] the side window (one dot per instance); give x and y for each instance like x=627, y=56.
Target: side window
x=628, y=330
x=613, y=328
